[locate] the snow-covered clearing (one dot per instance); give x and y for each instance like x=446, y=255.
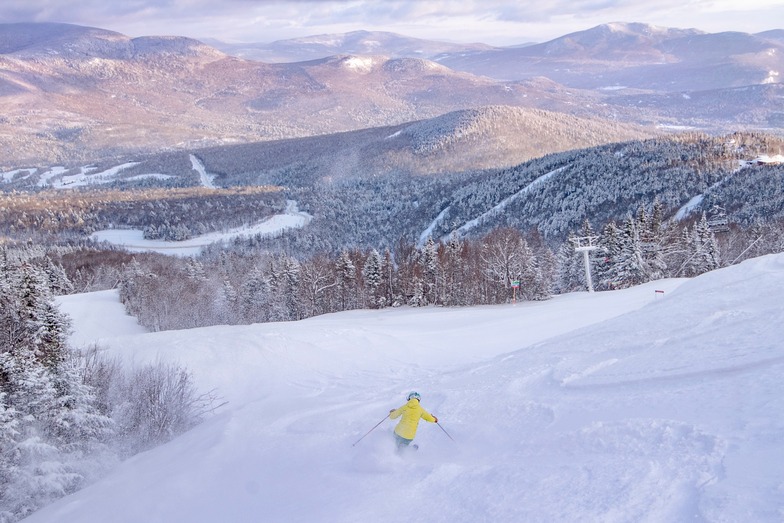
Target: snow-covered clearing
x=8, y=176
x=46, y=177
x=616, y=407
x=133, y=239
x=56, y=178
x=82, y=179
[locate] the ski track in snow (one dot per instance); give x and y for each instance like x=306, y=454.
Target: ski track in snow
x=611, y=406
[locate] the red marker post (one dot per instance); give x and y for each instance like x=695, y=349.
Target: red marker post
x=515, y=285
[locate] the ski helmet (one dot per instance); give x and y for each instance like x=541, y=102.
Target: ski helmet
x=413, y=395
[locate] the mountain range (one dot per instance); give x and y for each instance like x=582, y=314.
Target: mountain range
x=72, y=94
x=612, y=56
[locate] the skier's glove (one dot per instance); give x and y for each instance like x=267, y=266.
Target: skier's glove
x=391, y=411
x=435, y=420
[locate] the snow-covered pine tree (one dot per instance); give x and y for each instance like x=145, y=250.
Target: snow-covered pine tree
x=371, y=273
x=227, y=304
x=704, y=250
x=570, y=273
x=654, y=237
x=195, y=270
x=58, y=279
x=418, y=299
x=454, y=281
x=289, y=288
x=608, y=254
x=390, y=285
x=253, y=296
x=429, y=261
x=345, y=275
x=630, y=267
x=48, y=417
x=533, y=284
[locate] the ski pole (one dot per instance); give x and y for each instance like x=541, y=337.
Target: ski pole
x=371, y=430
x=445, y=432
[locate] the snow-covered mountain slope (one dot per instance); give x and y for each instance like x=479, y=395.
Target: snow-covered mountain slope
x=633, y=405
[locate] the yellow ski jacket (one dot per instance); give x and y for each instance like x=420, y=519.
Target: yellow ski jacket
x=412, y=411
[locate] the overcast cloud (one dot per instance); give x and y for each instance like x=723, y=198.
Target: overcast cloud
x=490, y=21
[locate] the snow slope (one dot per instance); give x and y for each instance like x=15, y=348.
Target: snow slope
x=614, y=407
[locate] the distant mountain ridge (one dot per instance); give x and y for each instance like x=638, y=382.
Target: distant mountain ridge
x=53, y=41
x=639, y=56
x=72, y=94
x=355, y=42
x=632, y=55
x=78, y=94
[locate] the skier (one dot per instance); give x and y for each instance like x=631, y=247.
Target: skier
x=406, y=428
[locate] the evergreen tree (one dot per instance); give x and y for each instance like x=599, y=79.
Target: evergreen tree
x=570, y=274
x=289, y=287
x=253, y=296
x=429, y=260
x=454, y=280
x=418, y=299
x=58, y=279
x=345, y=272
x=390, y=288
x=703, y=249
x=630, y=267
x=227, y=303
x=608, y=255
x=533, y=284
x=654, y=250
x=371, y=273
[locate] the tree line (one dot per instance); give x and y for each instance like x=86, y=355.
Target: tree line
x=248, y=285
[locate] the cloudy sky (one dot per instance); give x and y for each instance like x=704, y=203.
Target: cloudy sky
x=490, y=21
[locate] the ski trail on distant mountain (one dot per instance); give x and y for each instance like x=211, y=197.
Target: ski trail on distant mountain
x=430, y=228
x=492, y=212
x=696, y=201
x=207, y=180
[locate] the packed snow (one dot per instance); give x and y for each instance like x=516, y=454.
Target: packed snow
x=631, y=405
x=133, y=240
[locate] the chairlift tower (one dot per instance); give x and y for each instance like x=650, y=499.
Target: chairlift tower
x=585, y=245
